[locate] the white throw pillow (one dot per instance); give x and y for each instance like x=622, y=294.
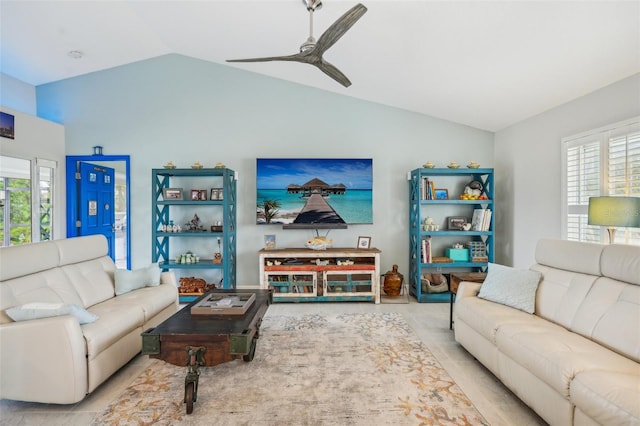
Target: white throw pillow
x=126, y=281
x=30, y=311
x=511, y=287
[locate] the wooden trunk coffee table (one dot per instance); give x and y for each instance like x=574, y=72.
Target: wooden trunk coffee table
x=193, y=341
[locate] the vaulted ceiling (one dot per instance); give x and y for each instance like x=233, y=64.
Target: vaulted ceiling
x=486, y=64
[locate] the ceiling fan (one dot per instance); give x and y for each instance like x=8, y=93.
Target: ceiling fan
x=311, y=50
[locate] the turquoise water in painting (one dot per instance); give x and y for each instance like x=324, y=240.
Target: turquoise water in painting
x=354, y=206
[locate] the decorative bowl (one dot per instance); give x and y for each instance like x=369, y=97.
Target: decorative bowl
x=428, y=165
x=473, y=165
x=196, y=165
x=219, y=166
x=169, y=165
x=454, y=166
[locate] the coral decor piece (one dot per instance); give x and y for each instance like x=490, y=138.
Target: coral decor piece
x=194, y=285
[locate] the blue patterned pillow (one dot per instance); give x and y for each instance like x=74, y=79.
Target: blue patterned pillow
x=512, y=287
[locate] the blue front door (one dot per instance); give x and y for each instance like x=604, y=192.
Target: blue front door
x=96, y=198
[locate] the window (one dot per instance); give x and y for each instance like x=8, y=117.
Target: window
x=604, y=161
x=26, y=210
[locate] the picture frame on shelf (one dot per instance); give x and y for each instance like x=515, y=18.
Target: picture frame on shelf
x=456, y=223
x=195, y=195
x=269, y=242
x=441, y=194
x=364, y=242
x=203, y=194
x=172, y=194
x=216, y=194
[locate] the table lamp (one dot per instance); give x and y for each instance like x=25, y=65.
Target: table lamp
x=614, y=211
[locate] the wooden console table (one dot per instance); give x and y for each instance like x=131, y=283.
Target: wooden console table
x=332, y=275
x=454, y=281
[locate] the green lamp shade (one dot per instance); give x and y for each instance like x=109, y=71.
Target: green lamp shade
x=614, y=211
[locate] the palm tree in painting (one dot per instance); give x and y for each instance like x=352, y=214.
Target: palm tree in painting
x=270, y=209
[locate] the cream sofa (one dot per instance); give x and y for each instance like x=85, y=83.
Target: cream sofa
x=576, y=360
x=55, y=359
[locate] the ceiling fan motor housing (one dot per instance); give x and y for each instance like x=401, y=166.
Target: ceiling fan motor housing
x=312, y=4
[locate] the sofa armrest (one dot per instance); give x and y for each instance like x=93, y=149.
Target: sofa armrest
x=168, y=277
x=468, y=289
x=43, y=360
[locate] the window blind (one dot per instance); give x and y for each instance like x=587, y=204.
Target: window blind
x=601, y=162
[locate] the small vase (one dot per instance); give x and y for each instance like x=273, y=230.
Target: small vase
x=393, y=282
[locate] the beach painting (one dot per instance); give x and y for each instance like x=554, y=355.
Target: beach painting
x=314, y=191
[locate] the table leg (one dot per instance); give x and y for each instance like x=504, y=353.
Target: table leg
x=453, y=296
x=195, y=358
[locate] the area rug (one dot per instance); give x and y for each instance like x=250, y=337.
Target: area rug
x=347, y=369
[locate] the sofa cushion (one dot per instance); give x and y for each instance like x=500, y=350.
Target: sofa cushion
x=606, y=397
x=512, y=287
x=485, y=316
x=560, y=293
x=621, y=262
x=570, y=255
x=80, y=249
x=556, y=355
x=152, y=300
x=610, y=315
x=126, y=280
x=51, y=286
x=116, y=321
x=92, y=280
x=26, y=259
x=36, y=310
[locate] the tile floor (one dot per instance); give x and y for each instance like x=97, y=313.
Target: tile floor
x=429, y=320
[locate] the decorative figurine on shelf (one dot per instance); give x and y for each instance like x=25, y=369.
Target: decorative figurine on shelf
x=429, y=225
x=217, y=257
x=473, y=191
x=170, y=165
x=194, y=224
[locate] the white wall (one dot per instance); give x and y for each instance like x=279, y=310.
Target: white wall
x=185, y=110
x=37, y=138
x=528, y=168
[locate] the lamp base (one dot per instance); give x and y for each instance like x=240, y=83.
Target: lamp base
x=612, y=234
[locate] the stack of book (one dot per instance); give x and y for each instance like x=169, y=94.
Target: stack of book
x=426, y=250
x=481, y=220
x=427, y=189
